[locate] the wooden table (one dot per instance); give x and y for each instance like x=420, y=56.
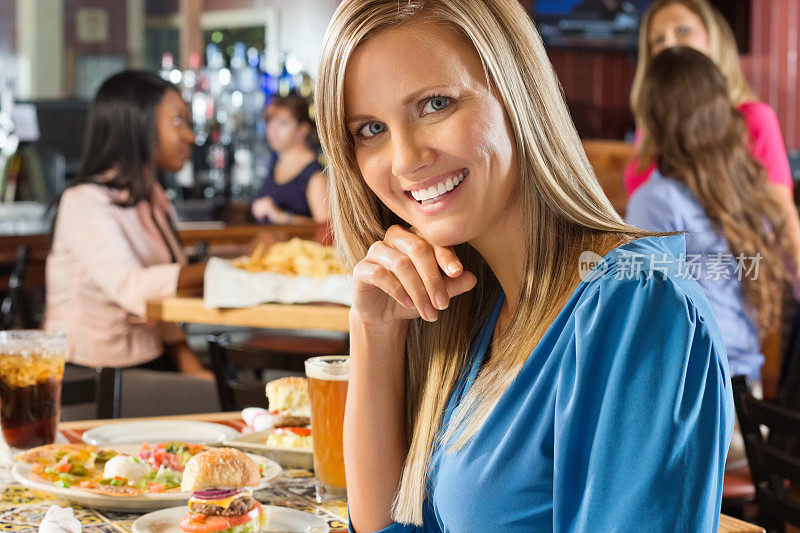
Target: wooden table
x=190, y=310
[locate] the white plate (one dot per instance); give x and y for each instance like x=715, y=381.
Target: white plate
x=154, y=431
x=280, y=519
x=285, y=456
x=145, y=502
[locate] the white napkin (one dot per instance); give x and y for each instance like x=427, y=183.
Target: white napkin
x=256, y=418
x=228, y=286
x=60, y=520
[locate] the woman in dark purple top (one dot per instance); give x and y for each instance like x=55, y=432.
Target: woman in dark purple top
x=294, y=191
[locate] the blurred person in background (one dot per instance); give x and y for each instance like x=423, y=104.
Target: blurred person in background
x=113, y=243
x=295, y=189
x=696, y=24
x=708, y=183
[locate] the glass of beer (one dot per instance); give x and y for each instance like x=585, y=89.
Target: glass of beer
x=327, y=386
x=31, y=369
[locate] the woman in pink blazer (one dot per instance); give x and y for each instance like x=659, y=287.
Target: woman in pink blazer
x=114, y=246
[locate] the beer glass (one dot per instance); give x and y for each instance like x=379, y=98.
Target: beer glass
x=327, y=386
x=31, y=369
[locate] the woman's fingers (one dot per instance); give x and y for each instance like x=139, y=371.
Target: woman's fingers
x=460, y=284
x=375, y=274
x=424, y=260
x=406, y=272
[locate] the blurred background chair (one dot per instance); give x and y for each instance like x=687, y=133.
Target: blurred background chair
x=97, y=386
x=242, y=369
x=774, y=465
x=16, y=308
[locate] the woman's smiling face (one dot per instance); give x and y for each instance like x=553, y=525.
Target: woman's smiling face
x=431, y=138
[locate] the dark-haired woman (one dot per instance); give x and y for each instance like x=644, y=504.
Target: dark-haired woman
x=114, y=246
x=708, y=183
x=294, y=191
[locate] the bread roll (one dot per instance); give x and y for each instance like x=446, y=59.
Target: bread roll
x=290, y=395
x=220, y=468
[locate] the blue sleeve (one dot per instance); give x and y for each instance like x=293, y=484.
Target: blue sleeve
x=643, y=412
x=650, y=208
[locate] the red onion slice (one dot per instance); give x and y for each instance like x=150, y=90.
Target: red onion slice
x=215, y=494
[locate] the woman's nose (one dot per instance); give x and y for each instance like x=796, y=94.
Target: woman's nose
x=411, y=153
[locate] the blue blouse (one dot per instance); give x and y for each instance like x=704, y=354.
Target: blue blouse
x=619, y=420
x=666, y=204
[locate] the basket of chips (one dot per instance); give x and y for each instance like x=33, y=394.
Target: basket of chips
x=297, y=271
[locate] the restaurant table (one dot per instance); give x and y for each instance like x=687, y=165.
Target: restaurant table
x=190, y=310
x=21, y=509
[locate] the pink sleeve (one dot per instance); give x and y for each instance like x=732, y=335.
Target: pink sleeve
x=94, y=236
x=631, y=178
x=766, y=141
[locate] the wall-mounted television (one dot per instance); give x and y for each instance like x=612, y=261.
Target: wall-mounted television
x=593, y=24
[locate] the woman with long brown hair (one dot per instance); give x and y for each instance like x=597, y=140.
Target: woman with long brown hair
x=492, y=380
x=708, y=183
x=697, y=24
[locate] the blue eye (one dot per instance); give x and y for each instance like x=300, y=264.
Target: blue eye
x=437, y=103
x=371, y=129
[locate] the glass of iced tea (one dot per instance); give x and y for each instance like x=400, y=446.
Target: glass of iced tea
x=327, y=386
x=31, y=368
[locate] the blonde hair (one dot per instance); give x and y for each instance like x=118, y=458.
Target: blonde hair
x=564, y=210
x=722, y=51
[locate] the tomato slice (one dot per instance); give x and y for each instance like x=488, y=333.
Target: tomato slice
x=303, y=432
x=199, y=523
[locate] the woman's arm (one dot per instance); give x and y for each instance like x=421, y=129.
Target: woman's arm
x=398, y=280
x=317, y=196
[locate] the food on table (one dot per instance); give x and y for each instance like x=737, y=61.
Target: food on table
x=288, y=402
x=220, y=480
x=295, y=257
x=290, y=437
x=158, y=468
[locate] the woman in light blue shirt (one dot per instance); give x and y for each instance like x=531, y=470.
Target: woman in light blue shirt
x=521, y=358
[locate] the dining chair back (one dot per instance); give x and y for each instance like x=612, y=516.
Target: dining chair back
x=773, y=465
x=100, y=386
x=15, y=308
x=238, y=370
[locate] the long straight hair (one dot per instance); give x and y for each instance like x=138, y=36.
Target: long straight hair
x=564, y=210
x=121, y=135
x=722, y=51
x=700, y=138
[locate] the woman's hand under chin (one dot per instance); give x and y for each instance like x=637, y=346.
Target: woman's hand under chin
x=400, y=279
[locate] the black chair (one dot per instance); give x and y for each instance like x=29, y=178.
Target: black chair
x=238, y=366
x=16, y=309
x=773, y=465
x=101, y=386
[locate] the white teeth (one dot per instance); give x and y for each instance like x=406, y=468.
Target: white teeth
x=424, y=195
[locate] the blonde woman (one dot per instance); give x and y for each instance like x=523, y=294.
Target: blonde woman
x=491, y=387
x=696, y=24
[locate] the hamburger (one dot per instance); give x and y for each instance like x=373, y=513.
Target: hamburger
x=220, y=480
x=289, y=405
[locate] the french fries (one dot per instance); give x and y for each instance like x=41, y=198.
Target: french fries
x=296, y=257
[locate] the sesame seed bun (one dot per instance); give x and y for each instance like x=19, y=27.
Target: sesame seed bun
x=220, y=468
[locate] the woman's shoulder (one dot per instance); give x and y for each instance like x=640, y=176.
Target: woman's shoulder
x=757, y=114
x=86, y=193
x=638, y=273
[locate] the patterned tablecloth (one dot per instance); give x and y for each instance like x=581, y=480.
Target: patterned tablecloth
x=22, y=509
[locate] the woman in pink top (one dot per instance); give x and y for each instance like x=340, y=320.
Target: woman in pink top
x=114, y=246
x=694, y=23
